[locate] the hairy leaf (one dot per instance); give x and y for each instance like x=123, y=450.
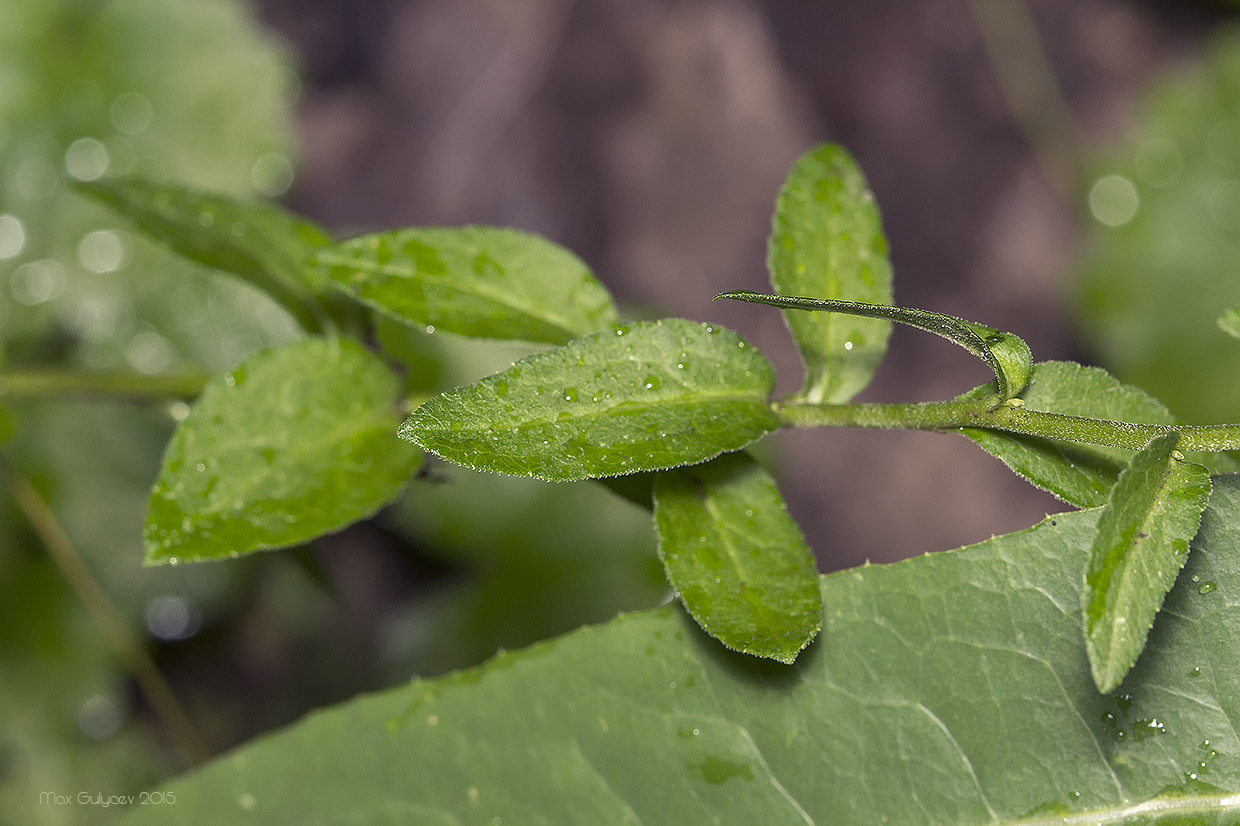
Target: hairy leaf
x=294, y=443
x=482, y=282
x=827, y=241
x=1079, y=474
x=952, y=688
x=652, y=396
x=1006, y=354
x=1151, y=515
x=736, y=558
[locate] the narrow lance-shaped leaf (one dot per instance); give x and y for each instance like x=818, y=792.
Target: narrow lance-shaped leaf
x=259, y=242
x=482, y=282
x=736, y=558
x=1151, y=515
x=1006, y=354
x=951, y=688
x=827, y=240
x=294, y=443
x=648, y=397
x=1079, y=474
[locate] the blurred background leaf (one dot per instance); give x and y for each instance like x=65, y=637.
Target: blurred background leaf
x=180, y=90
x=1163, y=256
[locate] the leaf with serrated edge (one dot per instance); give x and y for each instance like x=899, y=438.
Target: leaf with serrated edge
x=652, y=396
x=736, y=558
x=949, y=689
x=1151, y=516
x=1005, y=354
x=827, y=241
x=259, y=242
x=1079, y=474
x=294, y=443
x=482, y=282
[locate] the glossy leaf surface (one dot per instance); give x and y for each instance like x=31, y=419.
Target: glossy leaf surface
x=259, y=242
x=827, y=241
x=952, y=688
x=1079, y=474
x=1004, y=353
x=648, y=397
x=294, y=443
x=736, y=558
x=482, y=282
x=1151, y=516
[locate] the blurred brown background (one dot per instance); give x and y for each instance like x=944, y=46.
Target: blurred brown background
x=651, y=137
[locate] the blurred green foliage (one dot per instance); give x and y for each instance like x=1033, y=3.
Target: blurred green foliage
x=191, y=91
x=1163, y=257
x=181, y=89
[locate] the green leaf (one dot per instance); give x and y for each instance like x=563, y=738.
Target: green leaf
x=827, y=241
x=259, y=242
x=482, y=282
x=1162, y=261
x=648, y=397
x=294, y=443
x=1229, y=322
x=1151, y=515
x=1079, y=474
x=1006, y=354
x=947, y=689
x=736, y=558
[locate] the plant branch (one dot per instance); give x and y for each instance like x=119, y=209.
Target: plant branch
x=138, y=662
x=42, y=383
x=1006, y=417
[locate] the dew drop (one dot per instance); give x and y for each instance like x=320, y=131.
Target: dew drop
x=570, y=395
x=1206, y=587
x=653, y=382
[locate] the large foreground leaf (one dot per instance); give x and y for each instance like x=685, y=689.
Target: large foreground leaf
x=1079, y=474
x=294, y=443
x=654, y=396
x=948, y=689
x=827, y=242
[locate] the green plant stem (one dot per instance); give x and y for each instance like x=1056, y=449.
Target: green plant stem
x=43, y=383
x=954, y=415
x=137, y=661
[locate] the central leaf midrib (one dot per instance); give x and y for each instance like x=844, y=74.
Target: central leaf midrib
x=742, y=572
x=681, y=401
x=1154, y=807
